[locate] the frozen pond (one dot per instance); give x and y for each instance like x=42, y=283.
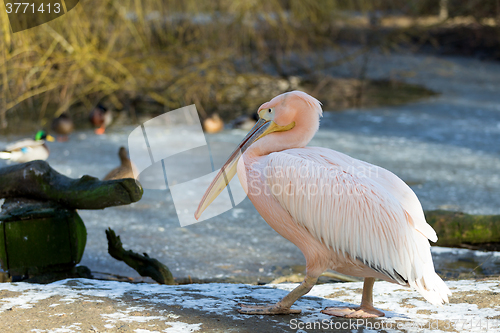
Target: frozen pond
x=447, y=148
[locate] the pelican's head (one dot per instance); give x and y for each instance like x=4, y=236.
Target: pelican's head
x=295, y=112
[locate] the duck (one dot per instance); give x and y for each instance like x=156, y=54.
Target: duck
x=245, y=122
x=63, y=126
x=213, y=124
x=126, y=168
x=27, y=150
x=101, y=118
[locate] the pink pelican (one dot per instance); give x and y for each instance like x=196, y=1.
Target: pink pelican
x=344, y=214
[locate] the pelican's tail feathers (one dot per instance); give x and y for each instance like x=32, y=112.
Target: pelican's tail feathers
x=432, y=288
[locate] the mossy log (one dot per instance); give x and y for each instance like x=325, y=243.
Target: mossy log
x=39, y=237
x=143, y=264
x=455, y=229
x=37, y=180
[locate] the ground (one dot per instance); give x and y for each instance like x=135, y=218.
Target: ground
x=80, y=305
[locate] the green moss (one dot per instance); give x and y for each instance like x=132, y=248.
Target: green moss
x=454, y=229
x=38, y=238
x=38, y=180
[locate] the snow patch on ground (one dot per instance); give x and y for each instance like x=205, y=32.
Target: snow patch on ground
x=178, y=327
x=402, y=306
x=63, y=329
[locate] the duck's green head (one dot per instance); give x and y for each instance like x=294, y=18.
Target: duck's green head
x=42, y=135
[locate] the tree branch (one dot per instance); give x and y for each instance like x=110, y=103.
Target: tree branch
x=143, y=264
x=37, y=180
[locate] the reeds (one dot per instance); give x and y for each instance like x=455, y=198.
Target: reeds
x=169, y=52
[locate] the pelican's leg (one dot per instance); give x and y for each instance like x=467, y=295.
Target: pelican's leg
x=283, y=306
x=366, y=310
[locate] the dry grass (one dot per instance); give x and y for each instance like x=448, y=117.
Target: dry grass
x=169, y=52
x=166, y=54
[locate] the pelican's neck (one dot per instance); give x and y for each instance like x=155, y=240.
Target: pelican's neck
x=297, y=137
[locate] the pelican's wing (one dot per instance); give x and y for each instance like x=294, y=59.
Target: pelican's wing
x=390, y=182
x=348, y=209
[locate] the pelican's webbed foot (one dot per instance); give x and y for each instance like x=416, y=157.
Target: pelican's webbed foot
x=361, y=312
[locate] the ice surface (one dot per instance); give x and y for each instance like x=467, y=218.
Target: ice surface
x=446, y=148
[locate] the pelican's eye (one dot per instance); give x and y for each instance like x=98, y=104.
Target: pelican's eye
x=267, y=114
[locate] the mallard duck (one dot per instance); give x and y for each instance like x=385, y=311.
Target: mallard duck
x=213, y=124
x=100, y=117
x=126, y=168
x=63, y=126
x=28, y=149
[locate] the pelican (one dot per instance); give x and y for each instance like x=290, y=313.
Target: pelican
x=342, y=213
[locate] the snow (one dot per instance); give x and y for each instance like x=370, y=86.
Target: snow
x=402, y=306
x=178, y=327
